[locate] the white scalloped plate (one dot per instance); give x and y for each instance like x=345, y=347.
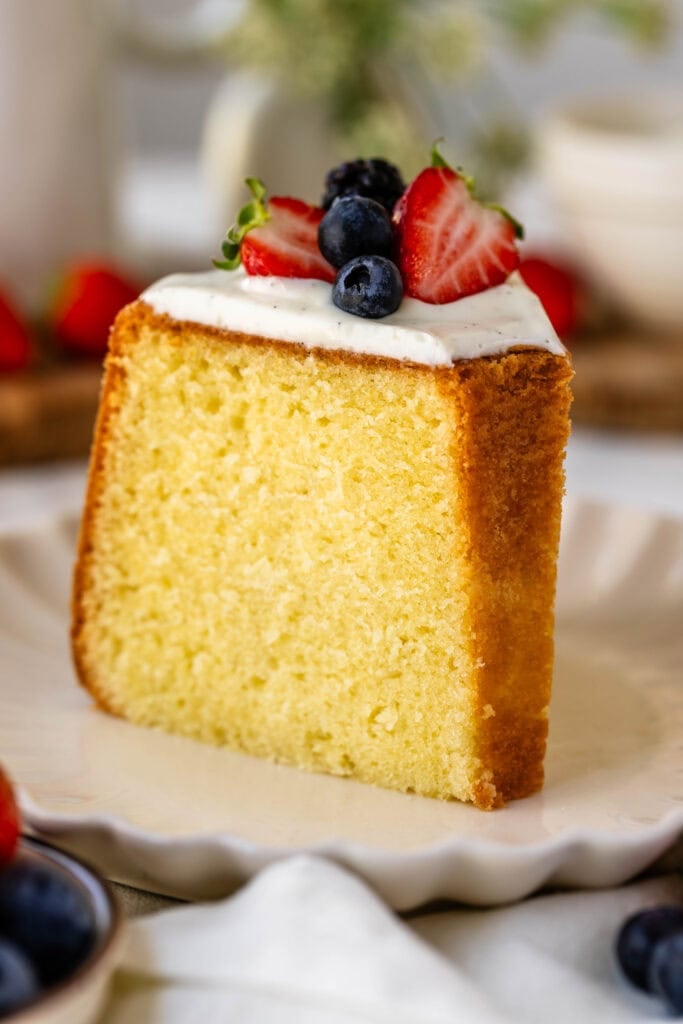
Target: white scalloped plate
x=173, y=816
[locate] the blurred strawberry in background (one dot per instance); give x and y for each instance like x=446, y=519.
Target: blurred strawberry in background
x=16, y=342
x=84, y=304
x=9, y=820
x=559, y=289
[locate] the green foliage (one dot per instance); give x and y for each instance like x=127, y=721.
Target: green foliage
x=530, y=22
x=647, y=21
x=346, y=53
x=331, y=47
x=321, y=47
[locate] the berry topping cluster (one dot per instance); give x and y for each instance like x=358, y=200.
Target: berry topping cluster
x=650, y=953
x=46, y=926
x=375, y=239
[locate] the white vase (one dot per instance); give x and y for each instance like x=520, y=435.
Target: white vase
x=254, y=127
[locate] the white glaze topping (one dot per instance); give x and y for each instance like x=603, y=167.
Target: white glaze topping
x=298, y=310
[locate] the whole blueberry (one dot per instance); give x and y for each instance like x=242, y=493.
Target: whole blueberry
x=355, y=226
x=638, y=937
x=18, y=981
x=47, y=917
x=665, y=977
x=368, y=286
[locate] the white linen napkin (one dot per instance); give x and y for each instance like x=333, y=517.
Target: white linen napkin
x=305, y=942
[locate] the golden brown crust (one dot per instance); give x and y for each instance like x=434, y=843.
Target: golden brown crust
x=110, y=398
x=507, y=446
x=509, y=439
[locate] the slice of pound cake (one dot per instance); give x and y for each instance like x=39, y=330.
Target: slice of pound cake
x=330, y=539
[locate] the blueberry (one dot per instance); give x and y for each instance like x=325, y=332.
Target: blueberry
x=377, y=179
x=638, y=937
x=665, y=977
x=352, y=227
x=47, y=917
x=368, y=286
x=18, y=982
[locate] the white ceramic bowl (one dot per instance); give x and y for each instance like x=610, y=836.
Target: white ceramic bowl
x=79, y=998
x=615, y=171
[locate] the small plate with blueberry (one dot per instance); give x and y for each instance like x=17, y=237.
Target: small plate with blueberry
x=60, y=930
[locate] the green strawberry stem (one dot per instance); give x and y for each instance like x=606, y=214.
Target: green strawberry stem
x=519, y=228
x=437, y=160
x=435, y=157
x=252, y=215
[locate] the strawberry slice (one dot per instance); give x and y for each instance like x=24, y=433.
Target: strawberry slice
x=275, y=237
x=9, y=820
x=449, y=244
x=16, y=343
x=287, y=244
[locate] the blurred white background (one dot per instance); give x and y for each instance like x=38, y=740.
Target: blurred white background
x=144, y=175
x=162, y=109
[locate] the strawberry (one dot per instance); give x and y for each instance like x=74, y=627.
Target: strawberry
x=9, y=820
x=278, y=237
x=558, y=288
x=287, y=245
x=450, y=245
x=87, y=300
x=16, y=343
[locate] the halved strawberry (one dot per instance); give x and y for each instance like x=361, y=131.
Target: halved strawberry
x=16, y=343
x=449, y=244
x=287, y=244
x=9, y=820
x=275, y=237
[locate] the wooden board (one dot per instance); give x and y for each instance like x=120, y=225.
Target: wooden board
x=628, y=380
x=48, y=414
